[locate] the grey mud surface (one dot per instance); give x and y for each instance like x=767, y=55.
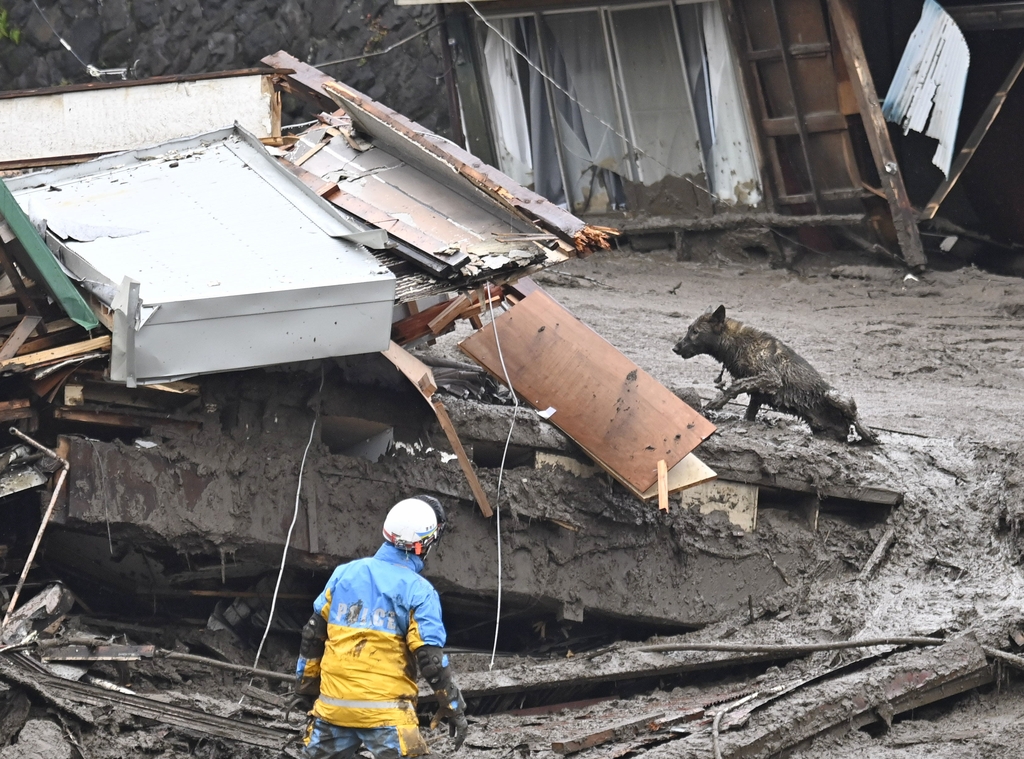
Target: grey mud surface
x=937, y=366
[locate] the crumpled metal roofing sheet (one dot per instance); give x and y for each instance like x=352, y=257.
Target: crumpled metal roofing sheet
x=928, y=88
x=236, y=268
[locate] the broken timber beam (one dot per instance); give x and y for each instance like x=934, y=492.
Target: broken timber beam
x=902, y=682
x=20, y=334
x=423, y=378
x=110, y=419
x=903, y=216
x=971, y=146
x=59, y=691
x=619, y=731
x=55, y=354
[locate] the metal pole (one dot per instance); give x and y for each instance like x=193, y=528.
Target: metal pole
x=46, y=518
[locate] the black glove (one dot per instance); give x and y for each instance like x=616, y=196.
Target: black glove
x=299, y=703
x=451, y=706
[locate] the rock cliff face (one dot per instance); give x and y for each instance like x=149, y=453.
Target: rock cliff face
x=163, y=37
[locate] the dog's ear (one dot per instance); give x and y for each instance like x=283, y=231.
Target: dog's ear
x=719, y=316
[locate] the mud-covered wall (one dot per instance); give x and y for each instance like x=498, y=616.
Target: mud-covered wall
x=571, y=545
x=155, y=38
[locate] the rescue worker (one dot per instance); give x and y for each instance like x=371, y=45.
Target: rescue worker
x=374, y=617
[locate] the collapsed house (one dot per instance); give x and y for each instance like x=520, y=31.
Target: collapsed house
x=754, y=115
x=225, y=336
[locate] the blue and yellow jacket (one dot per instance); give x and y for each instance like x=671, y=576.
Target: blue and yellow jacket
x=378, y=611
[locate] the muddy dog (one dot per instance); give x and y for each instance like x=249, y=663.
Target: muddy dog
x=772, y=374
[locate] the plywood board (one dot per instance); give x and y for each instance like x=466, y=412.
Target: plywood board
x=736, y=499
x=688, y=473
x=624, y=418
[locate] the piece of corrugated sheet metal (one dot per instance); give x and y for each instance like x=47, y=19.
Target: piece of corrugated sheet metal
x=928, y=89
x=237, y=268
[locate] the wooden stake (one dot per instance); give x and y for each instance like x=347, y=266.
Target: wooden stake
x=662, y=485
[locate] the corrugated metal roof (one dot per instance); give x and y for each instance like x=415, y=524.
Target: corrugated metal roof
x=928, y=88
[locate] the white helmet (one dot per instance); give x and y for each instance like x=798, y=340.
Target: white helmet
x=415, y=524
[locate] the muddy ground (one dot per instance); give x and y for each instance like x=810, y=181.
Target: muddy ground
x=936, y=366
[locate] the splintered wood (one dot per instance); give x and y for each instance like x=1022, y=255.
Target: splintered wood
x=621, y=416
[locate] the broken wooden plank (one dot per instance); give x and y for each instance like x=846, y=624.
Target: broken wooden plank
x=68, y=694
x=902, y=682
x=56, y=334
x=390, y=224
x=903, y=215
x=464, y=462
x=589, y=673
x=416, y=325
x=971, y=146
x=111, y=419
x=449, y=314
x=423, y=378
x=621, y=416
x=688, y=473
x=20, y=334
x=78, y=652
x=55, y=354
x=878, y=554
x=448, y=160
x=15, y=409
x=179, y=387
x=28, y=303
x=618, y=731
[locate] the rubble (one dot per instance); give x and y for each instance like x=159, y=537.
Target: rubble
x=237, y=347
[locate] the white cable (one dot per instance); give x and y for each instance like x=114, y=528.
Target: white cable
x=291, y=528
x=565, y=92
x=501, y=470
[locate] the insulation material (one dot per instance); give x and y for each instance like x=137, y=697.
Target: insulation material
x=733, y=170
x=928, y=89
x=512, y=136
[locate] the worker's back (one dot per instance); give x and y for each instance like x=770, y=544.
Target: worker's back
x=378, y=610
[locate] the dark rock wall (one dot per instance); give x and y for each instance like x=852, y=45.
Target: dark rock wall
x=164, y=37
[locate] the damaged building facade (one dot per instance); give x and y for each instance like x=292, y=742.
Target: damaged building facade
x=734, y=113
x=228, y=341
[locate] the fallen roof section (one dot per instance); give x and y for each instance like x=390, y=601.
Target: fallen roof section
x=442, y=159
x=216, y=258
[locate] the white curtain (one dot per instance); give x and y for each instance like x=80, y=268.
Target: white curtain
x=508, y=113
x=733, y=172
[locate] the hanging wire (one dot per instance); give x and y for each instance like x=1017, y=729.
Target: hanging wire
x=291, y=527
x=94, y=72
x=633, y=146
x=388, y=49
x=501, y=470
